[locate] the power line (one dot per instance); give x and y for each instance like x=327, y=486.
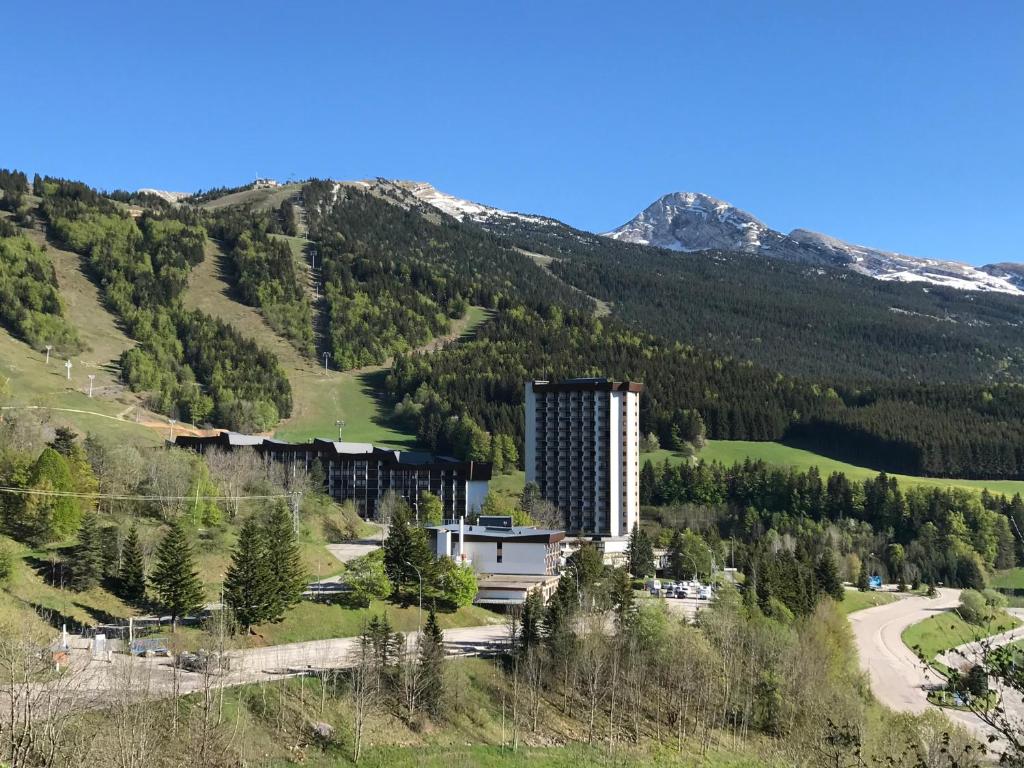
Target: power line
x=135, y=497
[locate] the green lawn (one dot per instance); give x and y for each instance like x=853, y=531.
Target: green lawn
x=858, y=601
x=319, y=621
x=947, y=630
x=1009, y=579
x=483, y=756
x=731, y=451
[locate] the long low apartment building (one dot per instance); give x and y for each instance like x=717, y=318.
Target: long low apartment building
x=363, y=473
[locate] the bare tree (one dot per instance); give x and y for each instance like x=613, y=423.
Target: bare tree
x=235, y=473
x=365, y=692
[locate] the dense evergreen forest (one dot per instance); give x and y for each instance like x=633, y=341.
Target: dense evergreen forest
x=142, y=266
x=819, y=323
x=264, y=270
x=393, y=279
x=931, y=535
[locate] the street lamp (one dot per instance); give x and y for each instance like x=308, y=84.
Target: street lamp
x=172, y=422
x=327, y=355
x=419, y=615
x=340, y=424
x=92, y=376
x=67, y=364
x=48, y=348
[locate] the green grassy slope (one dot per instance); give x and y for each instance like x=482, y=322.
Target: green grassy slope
x=261, y=199
x=730, y=451
x=29, y=381
x=947, y=630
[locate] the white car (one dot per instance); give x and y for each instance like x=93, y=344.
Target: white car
x=704, y=594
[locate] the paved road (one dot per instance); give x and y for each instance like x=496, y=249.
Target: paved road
x=92, y=682
x=899, y=680
x=967, y=655
x=897, y=676
x=158, y=676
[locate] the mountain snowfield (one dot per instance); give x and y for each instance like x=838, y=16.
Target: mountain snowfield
x=690, y=221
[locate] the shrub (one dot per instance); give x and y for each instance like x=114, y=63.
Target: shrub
x=6, y=563
x=973, y=608
x=993, y=599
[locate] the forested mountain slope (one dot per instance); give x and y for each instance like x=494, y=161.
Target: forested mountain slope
x=730, y=345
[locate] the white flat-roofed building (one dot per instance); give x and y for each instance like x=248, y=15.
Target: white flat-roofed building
x=583, y=451
x=510, y=560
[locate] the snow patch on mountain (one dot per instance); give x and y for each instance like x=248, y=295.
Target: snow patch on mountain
x=458, y=208
x=170, y=197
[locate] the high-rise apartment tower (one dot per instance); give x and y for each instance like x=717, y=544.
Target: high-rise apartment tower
x=583, y=451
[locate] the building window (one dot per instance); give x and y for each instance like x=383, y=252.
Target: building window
x=499, y=552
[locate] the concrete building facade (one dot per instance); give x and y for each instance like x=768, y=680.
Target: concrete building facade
x=362, y=473
x=583, y=451
x=510, y=561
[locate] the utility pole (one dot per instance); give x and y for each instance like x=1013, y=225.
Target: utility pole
x=295, y=511
x=326, y=356
x=48, y=348
x=67, y=364
x=340, y=424
x=419, y=616
x=92, y=376
x=316, y=290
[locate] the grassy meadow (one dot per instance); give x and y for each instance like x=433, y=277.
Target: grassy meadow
x=947, y=630
x=731, y=451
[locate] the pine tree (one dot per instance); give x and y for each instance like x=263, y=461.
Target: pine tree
x=405, y=550
x=249, y=586
x=284, y=563
x=862, y=578
x=640, y=553
x=132, y=575
x=431, y=660
x=531, y=621
x=87, y=555
x=826, y=574
x=175, y=579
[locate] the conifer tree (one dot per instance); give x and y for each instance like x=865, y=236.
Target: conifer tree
x=431, y=660
x=405, y=550
x=284, y=563
x=530, y=623
x=640, y=553
x=826, y=575
x=175, y=580
x=87, y=555
x=862, y=578
x=132, y=574
x=249, y=586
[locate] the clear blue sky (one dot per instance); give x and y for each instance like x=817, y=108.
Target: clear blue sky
x=894, y=124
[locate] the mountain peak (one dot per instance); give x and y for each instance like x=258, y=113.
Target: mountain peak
x=692, y=221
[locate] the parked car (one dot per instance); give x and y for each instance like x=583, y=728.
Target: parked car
x=704, y=594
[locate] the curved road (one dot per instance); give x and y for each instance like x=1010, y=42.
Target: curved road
x=899, y=679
